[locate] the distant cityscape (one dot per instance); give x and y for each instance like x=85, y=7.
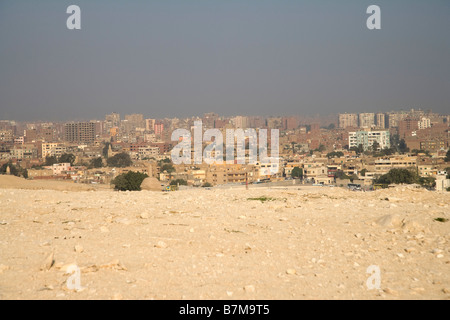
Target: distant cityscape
x=362, y=146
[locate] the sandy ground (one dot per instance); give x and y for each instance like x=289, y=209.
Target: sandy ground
x=303, y=243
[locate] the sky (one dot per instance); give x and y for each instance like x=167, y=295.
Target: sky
x=181, y=58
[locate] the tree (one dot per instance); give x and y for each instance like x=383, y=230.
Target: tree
x=363, y=172
x=67, y=158
x=375, y=146
x=297, y=173
x=447, y=156
x=96, y=163
x=321, y=148
x=120, y=160
x=50, y=160
x=167, y=167
x=177, y=182
x=335, y=154
x=13, y=170
x=398, y=176
x=359, y=149
x=130, y=181
x=427, y=182
x=339, y=174
x=207, y=185
x=448, y=172
x=105, y=150
x=402, y=147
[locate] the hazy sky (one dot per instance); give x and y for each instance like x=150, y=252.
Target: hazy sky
x=176, y=58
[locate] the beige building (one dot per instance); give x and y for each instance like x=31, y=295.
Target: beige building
x=367, y=120
x=347, y=120
x=52, y=149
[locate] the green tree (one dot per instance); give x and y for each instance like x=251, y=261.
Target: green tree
x=96, y=163
x=120, y=160
x=335, y=154
x=363, y=172
x=359, y=149
x=339, y=174
x=321, y=148
x=297, y=173
x=167, y=167
x=207, y=185
x=67, y=158
x=402, y=147
x=427, y=182
x=447, y=156
x=130, y=181
x=375, y=146
x=50, y=160
x=448, y=172
x=14, y=170
x=398, y=176
x=105, y=150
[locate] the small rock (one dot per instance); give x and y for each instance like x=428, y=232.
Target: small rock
x=144, y=215
x=446, y=290
x=390, y=291
x=78, y=249
x=191, y=230
x=439, y=256
x=229, y=293
x=250, y=289
x=161, y=245
x=49, y=262
x=291, y=271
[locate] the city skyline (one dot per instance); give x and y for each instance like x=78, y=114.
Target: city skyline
x=186, y=58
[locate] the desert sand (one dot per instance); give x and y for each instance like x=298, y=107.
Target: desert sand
x=301, y=243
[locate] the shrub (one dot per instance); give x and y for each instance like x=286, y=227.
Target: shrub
x=96, y=163
x=297, y=172
x=67, y=158
x=130, y=181
x=207, y=185
x=120, y=160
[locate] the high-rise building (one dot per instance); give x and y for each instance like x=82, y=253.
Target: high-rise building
x=79, y=132
x=113, y=120
x=347, y=120
x=150, y=125
x=240, y=122
x=159, y=128
x=367, y=120
x=380, y=120
x=135, y=120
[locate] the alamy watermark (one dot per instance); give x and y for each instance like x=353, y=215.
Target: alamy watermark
x=374, y=281
x=74, y=20
x=234, y=150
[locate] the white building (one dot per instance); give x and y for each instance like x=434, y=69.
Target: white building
x=424, y=123
x=367, y=139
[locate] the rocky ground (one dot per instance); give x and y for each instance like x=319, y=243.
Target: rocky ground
x=264, y=243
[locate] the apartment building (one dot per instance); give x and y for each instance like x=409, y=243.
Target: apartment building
x=80, y=132
x=347, y=120
x=368, y=138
